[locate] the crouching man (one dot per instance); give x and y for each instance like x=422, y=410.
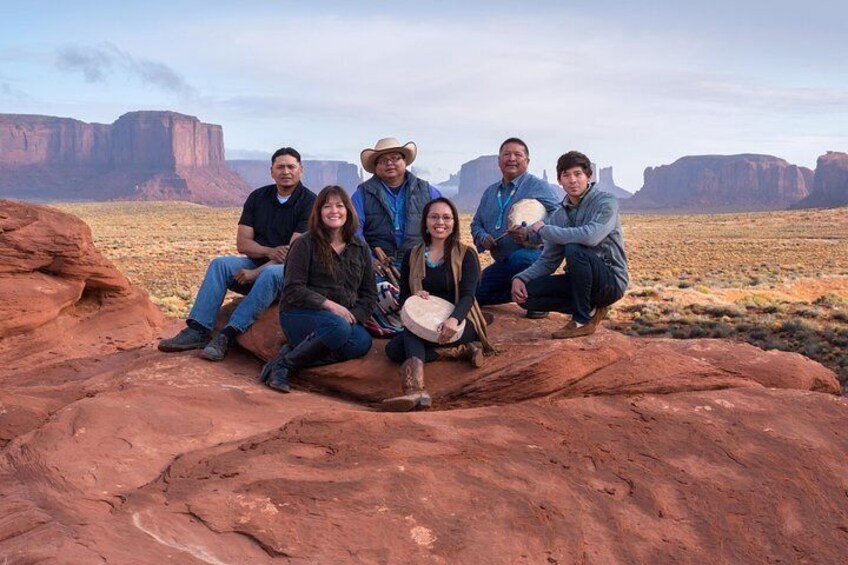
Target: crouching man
x=585, y=231
x=272, y=217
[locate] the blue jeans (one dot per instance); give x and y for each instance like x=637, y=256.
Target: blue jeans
x=588, y=282
x=220, y=276
x=346, y=340
x=496, y=282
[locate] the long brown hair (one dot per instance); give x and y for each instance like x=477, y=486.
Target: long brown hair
x=321, y=234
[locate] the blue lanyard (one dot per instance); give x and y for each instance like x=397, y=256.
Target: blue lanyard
x=395, y=203
x=502, y=205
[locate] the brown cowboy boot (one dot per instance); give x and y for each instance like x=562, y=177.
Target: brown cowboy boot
x=571, y=329
x=472, y=352
x=414, y=396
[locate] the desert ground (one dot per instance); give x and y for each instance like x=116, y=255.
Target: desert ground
x=777, y=280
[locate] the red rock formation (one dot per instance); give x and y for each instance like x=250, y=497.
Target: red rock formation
x=143, y=155
x=830, y=185
x=59, y=297
x=719, y=183
x=606, y=183
x=604, y=449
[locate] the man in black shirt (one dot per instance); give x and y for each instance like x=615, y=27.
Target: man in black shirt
x=273, y=216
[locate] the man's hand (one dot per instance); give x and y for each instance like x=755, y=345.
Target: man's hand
x=423, y=294
x=519, y=234
x=246, y=276
x=537, y=226
x=519, y=291
x=489, y=242
x=279, y=254
x=448, y=329
x=339, y=311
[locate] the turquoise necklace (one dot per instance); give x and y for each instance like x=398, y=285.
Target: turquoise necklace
x=430, y=263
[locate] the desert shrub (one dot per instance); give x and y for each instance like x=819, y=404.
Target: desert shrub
x=839, y=316
x=831, y=300
x=717, y=311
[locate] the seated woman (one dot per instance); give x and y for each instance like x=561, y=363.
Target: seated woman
x=441, y=266
x=328, y=293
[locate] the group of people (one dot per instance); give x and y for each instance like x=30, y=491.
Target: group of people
x=322, y=256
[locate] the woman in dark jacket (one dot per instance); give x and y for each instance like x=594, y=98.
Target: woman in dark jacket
x=440, y=266
x=328, y=292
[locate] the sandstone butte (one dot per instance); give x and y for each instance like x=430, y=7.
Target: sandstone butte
x=605, y=449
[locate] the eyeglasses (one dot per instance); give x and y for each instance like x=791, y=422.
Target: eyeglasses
x=389, y=159
x=435, y=218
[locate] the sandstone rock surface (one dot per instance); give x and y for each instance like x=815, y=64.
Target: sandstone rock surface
x=141, y=156
x=604, y=449
x=474, y=177
x=722, y=183
x=830, y=184
x=606, y=183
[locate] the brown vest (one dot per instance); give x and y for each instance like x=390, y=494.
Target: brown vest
x=417, y=270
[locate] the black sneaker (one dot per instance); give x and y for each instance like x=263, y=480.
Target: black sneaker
x=189, y=338
x=536, y=314
x=216, y=349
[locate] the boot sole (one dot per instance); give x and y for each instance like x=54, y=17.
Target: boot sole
x=178, y=348
x=209, y=357
x=398, y=405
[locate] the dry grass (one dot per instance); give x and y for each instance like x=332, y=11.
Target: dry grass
x=778, y=280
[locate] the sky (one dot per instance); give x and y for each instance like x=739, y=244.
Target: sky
x=632, y=86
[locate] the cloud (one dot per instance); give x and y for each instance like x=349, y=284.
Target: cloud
x=97, y=64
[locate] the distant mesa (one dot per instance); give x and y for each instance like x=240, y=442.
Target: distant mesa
x=830, y=184
x=722, y=183
x=316, y=173
x=141, y=156
x=474, y=177
x=607, y=184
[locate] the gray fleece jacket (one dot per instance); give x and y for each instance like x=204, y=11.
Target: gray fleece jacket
x=593, y=223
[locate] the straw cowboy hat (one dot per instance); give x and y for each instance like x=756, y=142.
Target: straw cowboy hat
x=387, y=145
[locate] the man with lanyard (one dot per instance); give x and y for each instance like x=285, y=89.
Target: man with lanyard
x=515, y=250
x=585, y=231
x=389, y=204
x=272, y=217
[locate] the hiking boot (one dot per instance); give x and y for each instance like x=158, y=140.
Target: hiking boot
x=269, y=367
x=414, y=396
x=471, y=352
x=536, y=314
x=188, y=338
x=301, y=355
x=571, y=329
x=216, y=349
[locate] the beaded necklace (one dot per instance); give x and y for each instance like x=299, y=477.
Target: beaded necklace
x=430, y=263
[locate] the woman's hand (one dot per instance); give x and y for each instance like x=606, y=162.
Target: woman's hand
x=339, y=310
x=448, y=329
x=423, y=294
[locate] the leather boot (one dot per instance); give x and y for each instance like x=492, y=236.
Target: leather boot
x=414, y=396
x=301, y=355
x=471, y=352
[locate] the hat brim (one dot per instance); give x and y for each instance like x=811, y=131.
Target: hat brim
x=369, y=157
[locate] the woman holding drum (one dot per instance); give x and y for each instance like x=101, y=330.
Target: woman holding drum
x=439, y=269
x=328, y=294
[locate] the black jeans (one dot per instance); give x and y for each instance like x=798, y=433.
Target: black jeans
x=588, y=282
x=406, y=344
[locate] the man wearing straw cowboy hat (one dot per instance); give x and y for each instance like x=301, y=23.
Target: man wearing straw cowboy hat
x=389, y=204
x=511, y=249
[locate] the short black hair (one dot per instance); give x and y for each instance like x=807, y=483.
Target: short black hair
x=514, y=140
x=291, y=151
x=573, y=159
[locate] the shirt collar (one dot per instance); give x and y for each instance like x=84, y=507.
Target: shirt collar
x=398, y=189
x=515, y=182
